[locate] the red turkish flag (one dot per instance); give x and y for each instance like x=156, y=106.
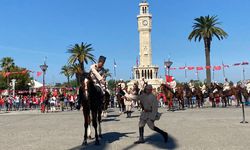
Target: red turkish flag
x=217, y=67
x=208, y=67
x=169, y=78
x=172, y=68
x=182, y=68
x=7, y=74
x=199, y=68
x=190, y=68
x=24, y=71
x=245, y=63
x=39, y=73
x=237, y=64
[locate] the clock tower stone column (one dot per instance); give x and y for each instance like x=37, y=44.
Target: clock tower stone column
x=144, y=27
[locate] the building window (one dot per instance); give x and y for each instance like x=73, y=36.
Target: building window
x=142, y=73
x=151, y=74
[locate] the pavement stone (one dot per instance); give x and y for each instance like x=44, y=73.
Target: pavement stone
x=191, y=129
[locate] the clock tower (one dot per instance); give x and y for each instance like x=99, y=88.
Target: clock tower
x=144, y=20
x=145, y=70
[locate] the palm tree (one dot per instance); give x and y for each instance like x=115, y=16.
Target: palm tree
x=107, y=73
x=66, y=70
x=81, y=54
x=206, y=28
x=7, y=63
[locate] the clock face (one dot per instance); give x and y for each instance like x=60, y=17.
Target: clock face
x=145, y=22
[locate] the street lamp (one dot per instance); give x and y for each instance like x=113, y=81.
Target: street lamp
x=168, y=64
x=44, y=67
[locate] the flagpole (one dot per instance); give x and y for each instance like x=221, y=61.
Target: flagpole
x=213, y=74
x=197, y=73
x=185, y=72
x=243, y=70
x=223, y=69
x=115, y=74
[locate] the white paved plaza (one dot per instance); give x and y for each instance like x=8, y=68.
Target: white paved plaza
x=193, y=129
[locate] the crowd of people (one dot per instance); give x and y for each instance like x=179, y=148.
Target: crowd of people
x=50, y=102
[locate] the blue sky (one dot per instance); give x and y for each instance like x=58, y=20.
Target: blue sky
x=33, y=29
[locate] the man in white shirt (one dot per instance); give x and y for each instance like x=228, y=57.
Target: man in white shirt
x=226, y=85
x=173, y=84
x=149, y=113
x=248, y=87
x=97, y=73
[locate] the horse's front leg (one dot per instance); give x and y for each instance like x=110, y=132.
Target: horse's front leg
x=94, y=122
x=86, y=124
x=99, y=117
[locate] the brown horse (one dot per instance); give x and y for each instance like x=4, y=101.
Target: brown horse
x=188, y=95
x=169, y=94
x=91, y=99
x=120, y=99
x=199, y=96
x=179, y=94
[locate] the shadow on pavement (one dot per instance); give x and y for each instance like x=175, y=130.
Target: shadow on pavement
x=156, y=140
x=110, y=119
x=108, y=138
x=110, y=116
x=134, y=116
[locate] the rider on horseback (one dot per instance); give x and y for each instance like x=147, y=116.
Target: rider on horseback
x=248, y=87
x=142, y=85
x=204, y=88
x=226, y=85
x=191, y=85
x=97, y=73
x=173, y=84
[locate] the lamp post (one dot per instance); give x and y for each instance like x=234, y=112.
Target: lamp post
x=44, y=68
x=13, y=83
x=168, y=64
x=8, y=78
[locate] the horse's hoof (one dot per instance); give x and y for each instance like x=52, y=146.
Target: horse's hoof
x=84, y=143
x=97, y=143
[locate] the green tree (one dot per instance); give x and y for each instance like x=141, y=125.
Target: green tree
x=107, y=73
x=22, y=78
x=6, y=64
x=80, y=54
x=66, y=70
x=205, y=28
x=77, y=71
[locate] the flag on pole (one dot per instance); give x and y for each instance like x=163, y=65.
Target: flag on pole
x=217, y=67
x=190, y=68
x=169, y=78
x=245, y=63
x=137, y=62
x=182, y=68
x=236, y=64
x=199, y=68
x=39, y=73
x=208, y=67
